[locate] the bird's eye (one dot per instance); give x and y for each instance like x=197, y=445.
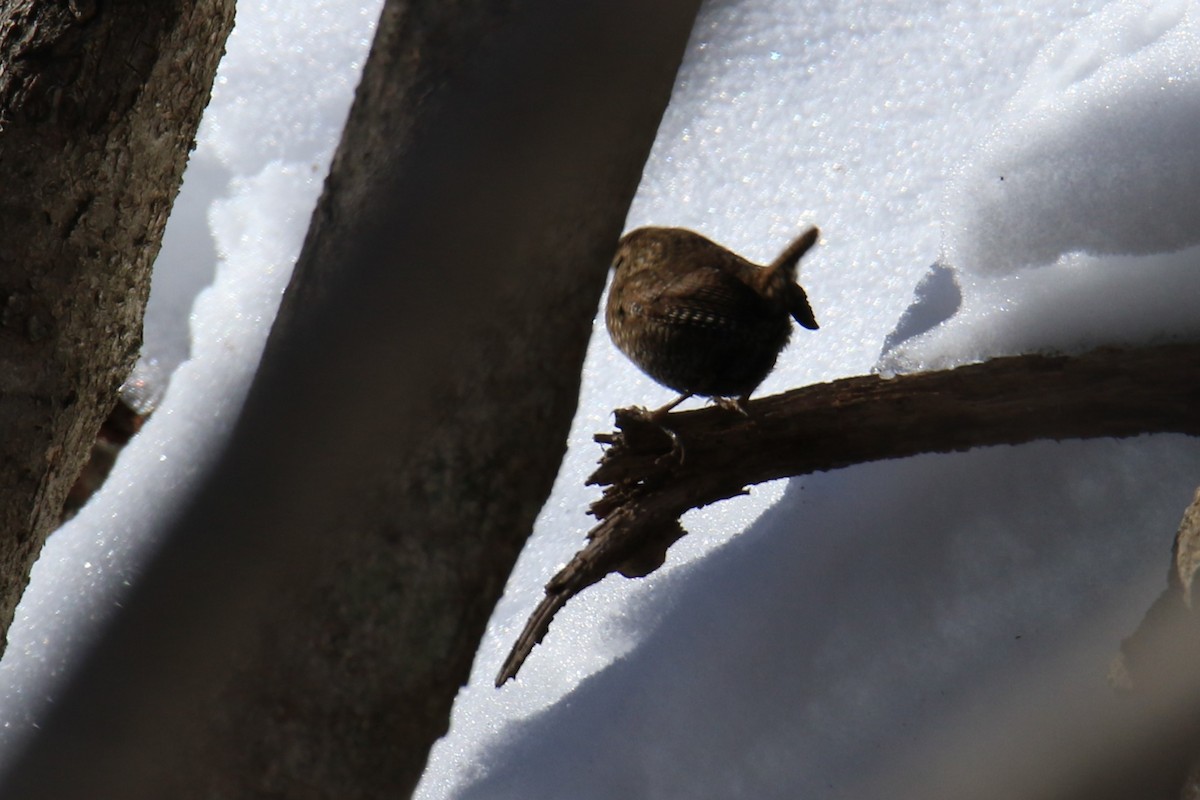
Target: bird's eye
x=618, y=261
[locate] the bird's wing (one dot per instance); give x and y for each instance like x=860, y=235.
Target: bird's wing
x=706, y=296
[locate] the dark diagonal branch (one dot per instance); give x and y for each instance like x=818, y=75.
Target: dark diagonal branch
x=653, y=477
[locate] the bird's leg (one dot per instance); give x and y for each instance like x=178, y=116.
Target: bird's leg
x=657, y=414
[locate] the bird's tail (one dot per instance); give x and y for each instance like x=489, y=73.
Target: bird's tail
x=799, y=308
x=788, y=261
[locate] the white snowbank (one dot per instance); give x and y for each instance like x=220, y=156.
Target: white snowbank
x=1076, y=222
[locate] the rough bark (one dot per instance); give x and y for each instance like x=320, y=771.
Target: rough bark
x=403, y=431
x=99, y=104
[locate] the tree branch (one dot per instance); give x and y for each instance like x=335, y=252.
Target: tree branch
x=656, y=471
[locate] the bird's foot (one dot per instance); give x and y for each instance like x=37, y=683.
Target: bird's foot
x=677, y=451
x=737, y=405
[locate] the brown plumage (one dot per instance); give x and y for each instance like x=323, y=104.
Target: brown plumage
x=700, y=319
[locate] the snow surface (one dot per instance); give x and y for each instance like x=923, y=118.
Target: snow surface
x=801, y=635
x=1075, y=221
x=862, y=612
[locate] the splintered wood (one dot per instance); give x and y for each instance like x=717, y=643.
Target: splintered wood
x=656, y=469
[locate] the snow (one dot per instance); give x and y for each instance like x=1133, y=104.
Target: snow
x=798, y=636
x=802, y=637
x=1075, y=222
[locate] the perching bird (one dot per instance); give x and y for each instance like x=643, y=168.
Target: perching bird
x=700, y=319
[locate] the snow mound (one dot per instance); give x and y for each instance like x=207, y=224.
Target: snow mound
x=1076, y=223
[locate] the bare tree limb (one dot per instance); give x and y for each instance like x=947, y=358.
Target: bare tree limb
x=655, y=472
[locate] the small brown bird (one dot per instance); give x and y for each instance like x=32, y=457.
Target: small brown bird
x=700, y=319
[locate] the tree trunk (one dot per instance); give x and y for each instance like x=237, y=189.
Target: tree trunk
x=348, y=692
x=99, y=104
x=403, y=430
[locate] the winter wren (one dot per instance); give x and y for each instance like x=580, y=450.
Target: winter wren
x=700, y=319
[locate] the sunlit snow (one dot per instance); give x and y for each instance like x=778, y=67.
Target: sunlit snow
x=989, y=178
x=866, y=608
